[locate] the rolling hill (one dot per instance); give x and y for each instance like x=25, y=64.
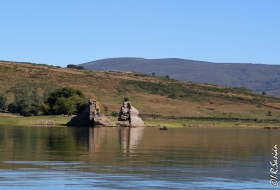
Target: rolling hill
x=152, y=96
x=257, y=77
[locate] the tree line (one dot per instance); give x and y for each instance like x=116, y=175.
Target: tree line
x=27, y=101
x=71, y=66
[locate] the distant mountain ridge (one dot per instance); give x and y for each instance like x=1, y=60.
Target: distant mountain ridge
x=258, y=77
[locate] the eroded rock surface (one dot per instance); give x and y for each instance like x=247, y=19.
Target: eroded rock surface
x=90, y=116
x=128, y=116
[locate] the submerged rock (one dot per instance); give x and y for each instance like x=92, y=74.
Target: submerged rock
x=163, y=128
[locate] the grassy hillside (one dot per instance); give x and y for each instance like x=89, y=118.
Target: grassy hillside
x=258, y=77
x=153, y=96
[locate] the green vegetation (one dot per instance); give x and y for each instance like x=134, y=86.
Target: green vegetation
x=31, y=120
x=13, y=108
x=26, y=99
x=258, y=77
x=75, y=67
x=171, y=90
x=125, y=99
x=64, y=101
x=269, y=113
x=3, y=101
x=34, y=89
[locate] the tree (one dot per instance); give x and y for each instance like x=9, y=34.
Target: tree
x=13, y=107
x=71, y=66
x=81, y=68
x=153, y=74
x=167, y=76
x=3, y=101
x=269, y=113
x=26, y=99
x=29, y=104
x=45, y=108
x=64, y=101
x=65, y=92
x=65, y=106
x=81, y=105
x=125, y=99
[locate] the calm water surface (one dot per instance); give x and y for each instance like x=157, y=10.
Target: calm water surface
x=135, y=158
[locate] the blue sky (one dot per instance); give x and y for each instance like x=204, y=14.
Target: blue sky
x=61, y=32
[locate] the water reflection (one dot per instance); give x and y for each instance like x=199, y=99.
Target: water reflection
x=93, y=139
x=130, y=138
x=177, y=158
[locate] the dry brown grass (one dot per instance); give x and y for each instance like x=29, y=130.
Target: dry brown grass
x=107, y=88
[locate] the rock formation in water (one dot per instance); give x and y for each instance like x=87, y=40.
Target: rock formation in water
x=128, y=116
x=90, y=116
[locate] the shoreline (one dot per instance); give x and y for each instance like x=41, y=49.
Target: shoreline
x=57, y=120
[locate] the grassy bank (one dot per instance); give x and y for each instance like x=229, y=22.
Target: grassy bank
x=13, y=120
x=32, y=120
x=210, y=124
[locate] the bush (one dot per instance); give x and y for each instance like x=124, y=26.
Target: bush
x=71, y=66
x=45, y=108
x=26, y=99
x=65, y=92
x=173, y=96
x=269, y=113
x=65, y=106
x=115, y=114
x=65, y=101
x=81, y=105
x=125, y=99
x=3, y=100
x=13, y=107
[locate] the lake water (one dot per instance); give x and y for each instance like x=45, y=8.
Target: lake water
x=135, y=158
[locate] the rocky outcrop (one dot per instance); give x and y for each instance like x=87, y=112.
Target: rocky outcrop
x=90, y=116
x=201, y=125
x=44, y=122
x=128, y=116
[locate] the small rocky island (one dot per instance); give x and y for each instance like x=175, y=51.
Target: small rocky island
x=128, y=116
x=91, y=116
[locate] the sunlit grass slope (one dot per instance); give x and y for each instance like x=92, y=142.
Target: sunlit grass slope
x=153, y=96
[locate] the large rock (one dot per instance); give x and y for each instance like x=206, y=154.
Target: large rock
x=90, y=116
x=128, y=116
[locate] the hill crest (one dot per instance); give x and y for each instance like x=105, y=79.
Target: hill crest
x=258, y=77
